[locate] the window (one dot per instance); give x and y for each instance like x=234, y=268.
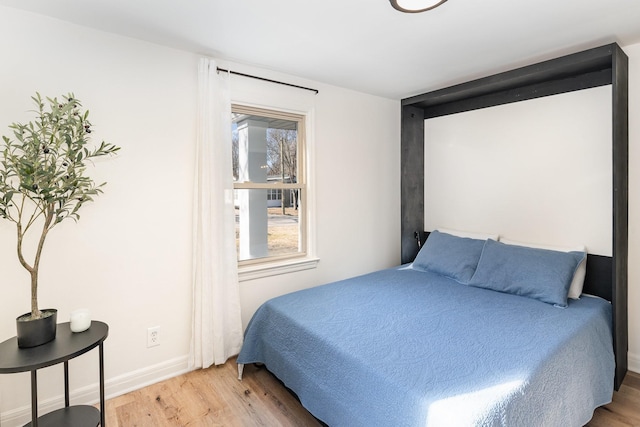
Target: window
x=269, y=185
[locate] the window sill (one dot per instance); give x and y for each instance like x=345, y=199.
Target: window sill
x=275, y=268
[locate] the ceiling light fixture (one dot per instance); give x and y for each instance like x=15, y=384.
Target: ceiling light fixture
x=415, y=6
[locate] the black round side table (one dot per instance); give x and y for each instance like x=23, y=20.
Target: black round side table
x=63, y=348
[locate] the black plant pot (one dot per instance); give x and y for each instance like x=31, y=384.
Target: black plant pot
x=35, y=332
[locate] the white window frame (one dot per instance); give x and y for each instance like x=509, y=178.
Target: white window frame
x=306, y=259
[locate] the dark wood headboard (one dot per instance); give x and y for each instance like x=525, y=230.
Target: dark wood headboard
x=600, y=66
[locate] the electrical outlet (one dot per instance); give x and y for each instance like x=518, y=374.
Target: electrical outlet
x=153, y=336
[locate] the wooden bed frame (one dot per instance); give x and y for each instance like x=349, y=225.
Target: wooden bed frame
x=605, y=65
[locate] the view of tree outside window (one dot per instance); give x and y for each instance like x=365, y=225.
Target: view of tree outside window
x=269, y=184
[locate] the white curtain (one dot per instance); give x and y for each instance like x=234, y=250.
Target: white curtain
x=216, y=325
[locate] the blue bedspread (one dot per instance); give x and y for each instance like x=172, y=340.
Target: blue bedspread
x=402, y=347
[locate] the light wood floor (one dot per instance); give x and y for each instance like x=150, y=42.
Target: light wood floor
x=210, y=397
x=215, y=397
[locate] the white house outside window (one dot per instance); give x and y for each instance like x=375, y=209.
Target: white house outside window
x=269, y=183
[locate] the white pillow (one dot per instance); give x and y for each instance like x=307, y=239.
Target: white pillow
x=575, y=290
x=469, y=234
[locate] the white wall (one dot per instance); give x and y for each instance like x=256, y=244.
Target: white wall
x=128, y=259
x=634, y=206
x=544, y=167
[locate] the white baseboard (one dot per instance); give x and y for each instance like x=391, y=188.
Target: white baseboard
x=90, y=395
x=633, y=362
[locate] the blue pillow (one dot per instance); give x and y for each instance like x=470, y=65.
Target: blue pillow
x=451, y=256
x=541, y=274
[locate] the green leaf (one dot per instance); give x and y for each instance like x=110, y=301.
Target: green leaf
x=43, y=161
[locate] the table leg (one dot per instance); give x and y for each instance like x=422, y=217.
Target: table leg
x=34, y=398
x=102, y=412
x=66, y=384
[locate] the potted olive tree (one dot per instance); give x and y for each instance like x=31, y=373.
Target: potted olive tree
x=43, y=181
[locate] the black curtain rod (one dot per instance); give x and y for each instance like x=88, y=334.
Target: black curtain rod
x=266, y=80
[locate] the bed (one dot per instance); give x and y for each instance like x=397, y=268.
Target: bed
x=606, y=65
x=426, y=344
x=416, y=346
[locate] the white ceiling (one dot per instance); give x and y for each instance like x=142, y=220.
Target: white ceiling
x=365, y=45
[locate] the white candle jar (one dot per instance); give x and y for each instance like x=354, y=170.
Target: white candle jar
x=80, y=320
